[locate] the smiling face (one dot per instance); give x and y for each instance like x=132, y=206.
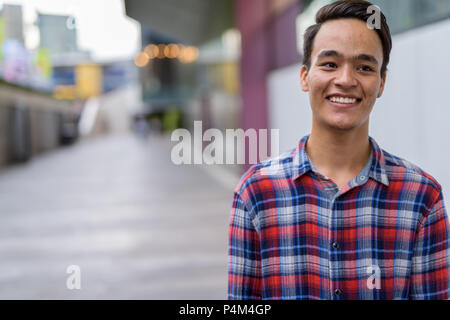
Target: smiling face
x=344, y=79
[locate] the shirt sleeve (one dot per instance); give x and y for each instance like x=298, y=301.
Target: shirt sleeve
x=244, y=263
x=430, y=271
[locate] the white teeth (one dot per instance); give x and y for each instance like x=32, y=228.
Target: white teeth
x=343, y=100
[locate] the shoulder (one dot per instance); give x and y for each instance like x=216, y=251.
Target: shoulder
x=275, y=168
x=400, y=169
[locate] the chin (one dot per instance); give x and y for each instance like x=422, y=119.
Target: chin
x=342, y=125
x=339, y=122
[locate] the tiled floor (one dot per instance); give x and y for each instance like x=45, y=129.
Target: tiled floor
x=138, y=226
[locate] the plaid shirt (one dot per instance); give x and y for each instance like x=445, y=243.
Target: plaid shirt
x=294, y=235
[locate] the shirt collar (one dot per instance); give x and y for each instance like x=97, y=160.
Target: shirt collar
x=302, y=164
x=378, y=168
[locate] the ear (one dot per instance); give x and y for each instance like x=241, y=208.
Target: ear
x=304, y=84
x=383, y=82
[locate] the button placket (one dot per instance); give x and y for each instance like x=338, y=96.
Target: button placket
x=334, y=249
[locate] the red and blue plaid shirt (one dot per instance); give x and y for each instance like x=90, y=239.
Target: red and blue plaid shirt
x=294, y=235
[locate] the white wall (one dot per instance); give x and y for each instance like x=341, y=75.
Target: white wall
x=289, y=109
x=411, y=120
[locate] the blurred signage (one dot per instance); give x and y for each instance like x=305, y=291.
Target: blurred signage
x=16, y=62
x=43, y=63
x=23, y=67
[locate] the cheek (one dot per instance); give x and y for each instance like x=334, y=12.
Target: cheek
x=316, y=84
x=373, y=88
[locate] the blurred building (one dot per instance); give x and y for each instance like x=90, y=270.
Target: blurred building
x=43, y=90
x=118, y=74
x=12, y=22
x=75, y=75
x=86, y=78
x=58, y=33
x=173, y=75
x=58, y=39
x=269, y=43
x=405, y=15
x=15, y=59
x=219, y=63
x=160, y=76
x=229, y=85
x=32, y=68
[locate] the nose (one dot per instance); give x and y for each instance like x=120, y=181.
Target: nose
x=345, y=77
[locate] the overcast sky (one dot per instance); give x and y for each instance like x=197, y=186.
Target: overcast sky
x=103, y=27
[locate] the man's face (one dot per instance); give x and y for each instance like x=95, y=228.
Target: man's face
x=344, y=79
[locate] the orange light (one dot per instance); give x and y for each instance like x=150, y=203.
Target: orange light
x=161, y=49
x=174, y=50
x=167, y=52
x=141, y=59
x=189, y=54
x=152, y=51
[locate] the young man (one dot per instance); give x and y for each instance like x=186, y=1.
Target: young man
x=338, y=217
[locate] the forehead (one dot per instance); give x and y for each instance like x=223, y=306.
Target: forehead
x=348, y=36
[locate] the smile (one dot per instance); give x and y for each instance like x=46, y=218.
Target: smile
x=344, y=101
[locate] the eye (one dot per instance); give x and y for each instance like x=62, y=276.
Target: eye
x=366, y=68
x=329, y=65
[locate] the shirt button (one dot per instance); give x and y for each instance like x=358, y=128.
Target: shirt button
x=362, y=178
x=335, y=245
x=337, y=292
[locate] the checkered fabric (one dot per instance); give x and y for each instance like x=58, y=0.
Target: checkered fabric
x=294, y=235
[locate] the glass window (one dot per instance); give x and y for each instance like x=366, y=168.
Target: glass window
x=403, y=15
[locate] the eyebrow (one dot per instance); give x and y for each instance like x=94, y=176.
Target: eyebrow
x=333, y=53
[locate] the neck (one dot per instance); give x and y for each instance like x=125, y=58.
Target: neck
x=337, y=153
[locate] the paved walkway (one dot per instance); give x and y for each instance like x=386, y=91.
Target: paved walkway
x=138, y=226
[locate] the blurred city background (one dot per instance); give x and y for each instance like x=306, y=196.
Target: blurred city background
x=90, y=91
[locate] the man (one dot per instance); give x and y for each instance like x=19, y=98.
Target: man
x=338, y=217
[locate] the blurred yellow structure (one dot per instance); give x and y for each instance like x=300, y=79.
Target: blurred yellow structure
x=89, y=83
x=225, y=75
x=88, y=80
x=65, y=92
